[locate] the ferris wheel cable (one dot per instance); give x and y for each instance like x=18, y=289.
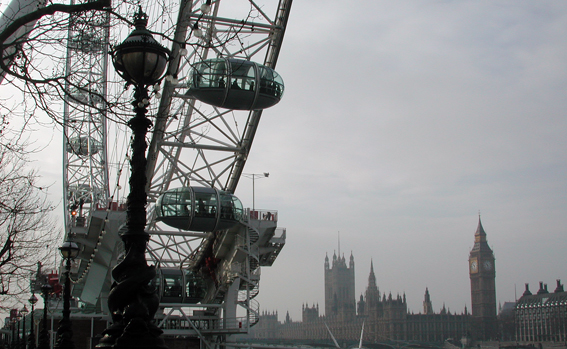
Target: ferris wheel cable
x=202, y=146
x=172, y=249
x=271, y=60
x=190, y=168
x=120, y=154
x=167, y=98
x=168, y=249
x=186, y=169
x=203, y=135
x=168, y=89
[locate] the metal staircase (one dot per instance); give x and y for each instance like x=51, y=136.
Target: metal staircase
x=250, y=277
x=242, y=250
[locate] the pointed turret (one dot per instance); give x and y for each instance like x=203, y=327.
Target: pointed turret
x=326, y=261
x=427, y=305
x=480, y=230
x=372, y=276
x=480, y=243
x=372, y=292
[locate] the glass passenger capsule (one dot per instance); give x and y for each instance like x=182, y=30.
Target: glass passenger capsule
x=83, y=145
x=198, y=209
x=235, y=84
x=179, y=286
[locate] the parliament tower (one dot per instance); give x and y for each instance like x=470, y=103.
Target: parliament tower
x=483, y=291
x=340, y=300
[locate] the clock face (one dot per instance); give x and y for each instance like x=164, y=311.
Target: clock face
x=487, y=265
x=474, y=266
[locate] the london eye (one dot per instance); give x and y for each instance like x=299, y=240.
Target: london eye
x=207, y=246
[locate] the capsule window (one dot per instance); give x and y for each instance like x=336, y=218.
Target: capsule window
x=238, y=209
x=205, y=204
x=243, y=75
x=230, y=209
x=175, y=203
x=172, y=285
x=271, y=83
x=194, y=287
x=210, y=74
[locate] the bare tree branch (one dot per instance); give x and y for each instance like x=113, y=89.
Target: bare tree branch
x=50, y=10
x=26, y=227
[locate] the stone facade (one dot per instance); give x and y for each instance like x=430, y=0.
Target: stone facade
x=384, y=317
x=339, y=288
x=542, y=317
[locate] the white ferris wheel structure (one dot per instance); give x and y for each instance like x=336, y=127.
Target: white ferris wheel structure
x=191, y=144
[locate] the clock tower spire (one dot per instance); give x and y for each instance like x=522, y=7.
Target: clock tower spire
x=483, y=291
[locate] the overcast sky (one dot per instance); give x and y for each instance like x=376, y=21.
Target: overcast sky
x=401, y=120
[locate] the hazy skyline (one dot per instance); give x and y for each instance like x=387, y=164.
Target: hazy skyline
x=401, y=120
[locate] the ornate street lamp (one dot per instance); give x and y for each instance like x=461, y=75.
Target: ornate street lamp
x=44, y=334
x=69, y=251
x=132, y=301
x=23, y=312
x=31, y=337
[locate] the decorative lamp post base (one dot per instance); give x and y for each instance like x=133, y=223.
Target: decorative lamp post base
x=65, y=336
x=133, y=326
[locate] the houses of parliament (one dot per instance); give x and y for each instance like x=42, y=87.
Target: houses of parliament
x=385, y=316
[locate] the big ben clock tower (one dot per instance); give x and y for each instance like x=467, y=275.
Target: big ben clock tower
x=483, y=290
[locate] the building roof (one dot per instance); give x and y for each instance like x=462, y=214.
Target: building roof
x=543, y=297
x=480, y=243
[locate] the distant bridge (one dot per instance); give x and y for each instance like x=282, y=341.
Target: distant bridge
x=302, y=343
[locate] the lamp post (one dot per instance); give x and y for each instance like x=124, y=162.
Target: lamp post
x=31, y=337
x=44, y=334
x=13, y=344
x=23, y=312
x=132, y=301
x=18, y=318
x=69, y=251
x=254, y=176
